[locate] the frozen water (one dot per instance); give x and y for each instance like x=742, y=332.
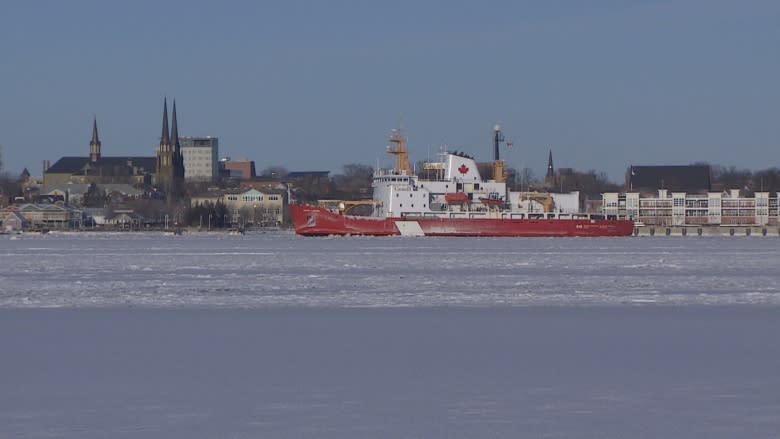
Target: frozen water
x=277, y=336
x=539, y=372
x=285, y=270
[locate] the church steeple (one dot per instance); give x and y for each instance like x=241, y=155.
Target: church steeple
x=178, y=160
x=174, y=129
x=94, y=145
x=550, y=168
x=170, y=166
x=165, y=140
x=549, y=178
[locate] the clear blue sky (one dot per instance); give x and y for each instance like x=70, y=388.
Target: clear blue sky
x=314, y=85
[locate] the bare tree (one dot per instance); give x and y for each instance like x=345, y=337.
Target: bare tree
x=767, y=180
x=723, y=178
x=274, y=172
x=355, y=181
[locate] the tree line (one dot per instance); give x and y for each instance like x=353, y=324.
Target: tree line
x=354, y=183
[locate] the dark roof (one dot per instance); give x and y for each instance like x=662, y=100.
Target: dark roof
x=68, y=165
x=302, y=174
x=76, y=165
x=147, y=163
x=689, y=178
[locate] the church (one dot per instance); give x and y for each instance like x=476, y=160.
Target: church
x=166, y=170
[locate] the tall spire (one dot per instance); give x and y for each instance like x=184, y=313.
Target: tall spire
x=549, y=178
x=178, y=160
x=95, y=138
x=174, y=129
x=165, y=139
x=94, y=145
x=170, y=166
x=550, y=169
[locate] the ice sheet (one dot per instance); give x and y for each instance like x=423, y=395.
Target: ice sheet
x=263, y=270
x=279, y=336
x=536, y=372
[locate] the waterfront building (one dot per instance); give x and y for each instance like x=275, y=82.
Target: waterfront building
x=248, y=206
x=12, y=221
x=201, y=158
x=49, y=216
x=668, y=208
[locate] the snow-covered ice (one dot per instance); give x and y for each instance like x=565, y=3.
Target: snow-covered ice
x=285, y=270
x=277, y=336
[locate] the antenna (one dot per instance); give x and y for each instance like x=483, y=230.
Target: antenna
x=498, y=164
x=498, y=137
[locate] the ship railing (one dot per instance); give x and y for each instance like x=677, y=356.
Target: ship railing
x=558, y=215
x=390, y=173
x=509, y=215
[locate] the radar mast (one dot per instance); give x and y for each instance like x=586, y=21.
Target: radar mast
x=398, y=149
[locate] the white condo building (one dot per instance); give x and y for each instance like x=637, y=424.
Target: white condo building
x=200, y=157
x=727, y=208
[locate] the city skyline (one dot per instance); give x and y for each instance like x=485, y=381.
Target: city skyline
x=313, y=86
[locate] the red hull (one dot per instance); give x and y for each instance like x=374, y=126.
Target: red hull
x=316, y=221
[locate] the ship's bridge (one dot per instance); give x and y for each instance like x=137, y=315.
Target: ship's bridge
x=389, y=176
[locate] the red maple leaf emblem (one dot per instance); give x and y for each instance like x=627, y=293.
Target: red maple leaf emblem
x=463, y=169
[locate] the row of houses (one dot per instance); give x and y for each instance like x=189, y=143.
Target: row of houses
x=74, y=193
x=31, y=216
x=728, y=208
x=248, y=206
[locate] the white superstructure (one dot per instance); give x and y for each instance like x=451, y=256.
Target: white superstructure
x=455, y=188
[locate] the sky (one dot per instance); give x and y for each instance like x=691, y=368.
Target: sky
x=315, y=85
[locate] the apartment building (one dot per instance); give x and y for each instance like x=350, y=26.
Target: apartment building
x=728, y=208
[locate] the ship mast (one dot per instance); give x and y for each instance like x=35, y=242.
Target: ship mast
x=498, y=164
x=398, y=149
